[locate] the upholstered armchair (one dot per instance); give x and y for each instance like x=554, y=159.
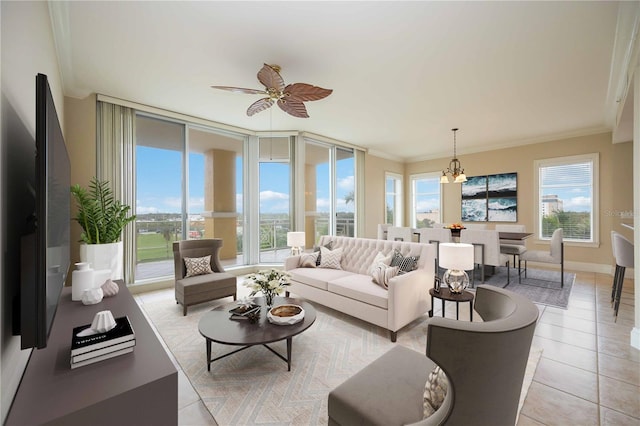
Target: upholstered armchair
x=202, y=287
x=484, y=363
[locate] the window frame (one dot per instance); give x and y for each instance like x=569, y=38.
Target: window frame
x=594, y=158
x=399, y=198
x=412, y=181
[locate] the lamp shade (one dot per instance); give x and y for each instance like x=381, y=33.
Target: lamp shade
x=295, y=239
x=456, y=256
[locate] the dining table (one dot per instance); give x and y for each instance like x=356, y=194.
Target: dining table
x=503, y=235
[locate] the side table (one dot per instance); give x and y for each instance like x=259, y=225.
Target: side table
x=446, y=295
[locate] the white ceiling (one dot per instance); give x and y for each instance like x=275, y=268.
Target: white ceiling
x=402, y=73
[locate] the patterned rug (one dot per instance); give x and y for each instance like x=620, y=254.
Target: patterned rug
x=539, y=286
x=254, y=387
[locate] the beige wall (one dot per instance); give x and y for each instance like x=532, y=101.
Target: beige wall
x=81, y=144
x=615, y=187
x=27, y=49
x=374, y=189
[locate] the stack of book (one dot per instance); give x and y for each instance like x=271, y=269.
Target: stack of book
x=245, y=312
x=86, y=350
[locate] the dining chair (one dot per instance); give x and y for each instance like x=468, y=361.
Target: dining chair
x=399, y=233
x=624, y=259
x=554, y=255
x=512, y=247
x=434, y=235
x=486, y=244
x=382, y=231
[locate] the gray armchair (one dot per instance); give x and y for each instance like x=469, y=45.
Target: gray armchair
x=201, y=288
x=484, y=363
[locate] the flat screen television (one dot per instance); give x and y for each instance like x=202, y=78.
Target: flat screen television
x=45, y=251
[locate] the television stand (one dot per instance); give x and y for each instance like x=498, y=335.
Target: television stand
x=136, y=388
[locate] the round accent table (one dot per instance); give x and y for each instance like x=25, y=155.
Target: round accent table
x=446, y=295
x=216, y=326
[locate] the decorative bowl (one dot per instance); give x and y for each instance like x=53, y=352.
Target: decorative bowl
x=285, y=314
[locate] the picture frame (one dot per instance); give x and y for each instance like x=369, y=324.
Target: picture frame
x=490, y=198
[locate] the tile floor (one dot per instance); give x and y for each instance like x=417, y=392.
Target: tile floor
x=588, y=374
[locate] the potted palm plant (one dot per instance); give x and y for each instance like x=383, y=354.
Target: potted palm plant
x=102, y=219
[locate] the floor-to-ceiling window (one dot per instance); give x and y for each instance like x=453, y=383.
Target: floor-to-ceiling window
x=189, y=182
x=159, y=193
x=329, y=173
x=275, y=198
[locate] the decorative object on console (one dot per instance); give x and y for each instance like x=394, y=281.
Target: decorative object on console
x=102, y=219
x=296, y=241
x=285, y=314
x=456, y=258
x=92, y=296
x=109, y=288
x=455, y=172
x=269, y=282
x=102, y=322
x=104, y=338
x=290, y=98
x=81, y=280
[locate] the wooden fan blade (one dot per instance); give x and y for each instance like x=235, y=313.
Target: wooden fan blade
x=241, y=90
x=259, y=105
x=270, y=78
x=306, y=92
x=293, y=107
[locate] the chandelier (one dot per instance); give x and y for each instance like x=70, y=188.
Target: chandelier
x=454, y=172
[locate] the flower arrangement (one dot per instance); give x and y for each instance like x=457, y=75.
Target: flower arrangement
x=270, y=282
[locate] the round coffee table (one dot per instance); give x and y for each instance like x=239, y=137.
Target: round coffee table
x=216, y=326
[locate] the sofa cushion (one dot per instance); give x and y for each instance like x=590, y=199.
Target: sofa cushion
x=405, y=263
x=361, y=288
x=380, y=258
x=308, y=260
x=329, y=245
x=197, y=266
x=316, y=277
x=383, y=273
x=330, y=258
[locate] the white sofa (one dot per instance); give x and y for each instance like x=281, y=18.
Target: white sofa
x=352, y=291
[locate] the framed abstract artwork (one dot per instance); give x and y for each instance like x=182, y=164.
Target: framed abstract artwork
x=490, y=198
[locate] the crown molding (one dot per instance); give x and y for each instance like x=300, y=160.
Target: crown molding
x=517, y=143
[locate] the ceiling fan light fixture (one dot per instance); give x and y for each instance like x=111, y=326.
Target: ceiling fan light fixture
x=290, y=98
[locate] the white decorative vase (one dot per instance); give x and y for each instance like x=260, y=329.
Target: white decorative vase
x=81, y=280
x=104, y=256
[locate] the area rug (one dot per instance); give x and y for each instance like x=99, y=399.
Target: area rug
x=254, y=387
x=540, y=286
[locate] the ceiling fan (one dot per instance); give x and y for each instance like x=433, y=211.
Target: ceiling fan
x=290, y=98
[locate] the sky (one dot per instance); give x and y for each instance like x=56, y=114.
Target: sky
x=159, y=182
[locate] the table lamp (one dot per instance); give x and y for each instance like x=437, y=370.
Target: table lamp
x=296, y=241
x=456, y=258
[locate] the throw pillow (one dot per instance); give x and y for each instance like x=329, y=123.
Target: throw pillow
x=330, y=258
x=380, y=258
x=383, y=273
x=406, y=264
x=308, y=260
x=329, y=245
x=197, y=266
x=435, y=391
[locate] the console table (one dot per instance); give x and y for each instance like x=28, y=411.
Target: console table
x=136, y=388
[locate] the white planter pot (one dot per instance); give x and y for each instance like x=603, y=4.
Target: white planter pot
x=104, y=256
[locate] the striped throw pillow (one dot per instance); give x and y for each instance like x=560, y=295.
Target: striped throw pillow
x=330, y=258
x=435, y=391
x=308, y=260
